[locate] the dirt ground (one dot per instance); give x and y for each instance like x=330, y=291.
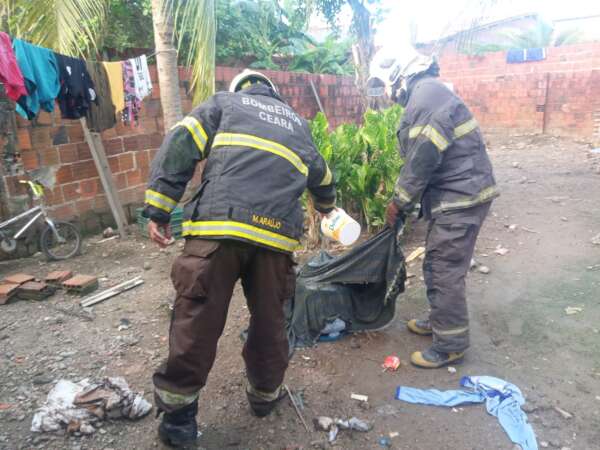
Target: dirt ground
x=546, y=218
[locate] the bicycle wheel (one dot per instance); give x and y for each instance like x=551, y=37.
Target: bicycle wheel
x=68, y=246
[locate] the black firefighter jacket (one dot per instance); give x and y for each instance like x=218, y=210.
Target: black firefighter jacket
x=447, y=167
x=260, y=159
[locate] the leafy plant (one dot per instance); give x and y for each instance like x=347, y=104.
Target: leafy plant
x=330, y=56
x=365, y=161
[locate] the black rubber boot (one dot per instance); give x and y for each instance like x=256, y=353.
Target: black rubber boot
x=179, y=429
x=261, y=407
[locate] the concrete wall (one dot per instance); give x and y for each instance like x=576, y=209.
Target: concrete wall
x=560, y=95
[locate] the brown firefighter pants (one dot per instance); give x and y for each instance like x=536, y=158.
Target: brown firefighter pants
x=204, y=276
x=449, y=248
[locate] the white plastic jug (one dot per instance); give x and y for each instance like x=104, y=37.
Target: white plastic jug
x=339, y=226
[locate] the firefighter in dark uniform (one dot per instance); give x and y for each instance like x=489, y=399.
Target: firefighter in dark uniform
x=447, y=170
x=243, y=222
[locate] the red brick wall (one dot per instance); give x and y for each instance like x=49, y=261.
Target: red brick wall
x=58, y=147
x=560, y=95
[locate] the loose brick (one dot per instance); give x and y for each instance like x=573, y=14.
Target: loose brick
x=57, y=277
x=81, y=284
x=7, y=292
x=35, y=290
x=18, y=278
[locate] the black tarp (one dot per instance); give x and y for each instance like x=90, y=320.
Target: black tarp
x=359, y=287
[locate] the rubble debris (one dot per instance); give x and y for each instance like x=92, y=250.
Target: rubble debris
x=416, y=253
x=385, y=442
x=76, y=407
x=391, y=363
x=56, y=278
x=7, y=292
x=483, y=269
x=565, y=414
x=359, y=397
x=501, y=250
x=572, y=310
x=333, y=426
x=81, y=284
x=109, y=232
x=451, y=369
x=18, y=278
x=111, y=292
x=112, y=238
x=34, y=290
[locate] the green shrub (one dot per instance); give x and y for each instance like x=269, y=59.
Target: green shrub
x=365, y=162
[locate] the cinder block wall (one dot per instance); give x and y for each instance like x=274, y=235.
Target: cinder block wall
x=559, y=95
x=57, y=149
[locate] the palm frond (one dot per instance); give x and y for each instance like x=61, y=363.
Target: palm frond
x=197, y=19
x=67, y=26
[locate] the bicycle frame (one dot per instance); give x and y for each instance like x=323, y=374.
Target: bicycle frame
x=37, y=212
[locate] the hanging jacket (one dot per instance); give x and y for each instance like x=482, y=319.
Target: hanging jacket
x=260, y=159
x=10, y=74
x=40, y=71
x=446, y=165
x=101, y=113
x=77, y=91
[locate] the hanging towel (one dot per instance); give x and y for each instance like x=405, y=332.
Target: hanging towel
x=141, y=75
x=101, y=114
x=40, y=71
x=10, y=74
x=77, y=90
x=525, y=55
x=132, y=103
x=114, y=71
x=502, y=399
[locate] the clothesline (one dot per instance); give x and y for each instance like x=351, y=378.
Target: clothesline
x=36, y=77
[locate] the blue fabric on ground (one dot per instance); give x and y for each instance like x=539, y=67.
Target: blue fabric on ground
x=503, y=400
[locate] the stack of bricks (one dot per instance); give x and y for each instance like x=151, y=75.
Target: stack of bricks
x=57, y=147
x=558, y=95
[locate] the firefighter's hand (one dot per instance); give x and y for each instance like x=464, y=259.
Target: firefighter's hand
x=393, y=214
x=160, y=233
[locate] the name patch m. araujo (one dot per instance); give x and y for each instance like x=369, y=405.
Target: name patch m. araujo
x=274, y=114
x=266, y=221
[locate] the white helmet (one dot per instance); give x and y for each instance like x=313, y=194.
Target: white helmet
x=391, y=64
x=249, y=77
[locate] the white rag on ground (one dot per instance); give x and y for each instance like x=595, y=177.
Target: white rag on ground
x=77, y=406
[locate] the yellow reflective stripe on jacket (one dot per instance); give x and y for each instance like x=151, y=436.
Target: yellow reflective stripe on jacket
x=241, y=230
x=160, y=201
x=195, y=128
x=487, y=194
x=432, y=134
x=327, y=178
x=173, y=399
x=465, y=128
x=247, y=140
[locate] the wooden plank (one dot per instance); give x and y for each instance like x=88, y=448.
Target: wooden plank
x=316, y=94
x=94, y=141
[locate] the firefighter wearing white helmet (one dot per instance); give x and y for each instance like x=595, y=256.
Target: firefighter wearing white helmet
x=244, y=222
x=448, y=172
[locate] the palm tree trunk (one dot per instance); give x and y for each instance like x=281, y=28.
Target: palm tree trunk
x=166, y=62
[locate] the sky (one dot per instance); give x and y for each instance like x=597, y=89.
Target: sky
x=433, y=19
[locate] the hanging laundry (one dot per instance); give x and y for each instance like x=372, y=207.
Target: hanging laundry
x=101, y=114
x=132, y=103
x=141, y=75
x=77, y=89
x=115, y=79
x=10, y=74
x=40, y=71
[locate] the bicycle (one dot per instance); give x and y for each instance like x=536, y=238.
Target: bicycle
x=59, y=240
